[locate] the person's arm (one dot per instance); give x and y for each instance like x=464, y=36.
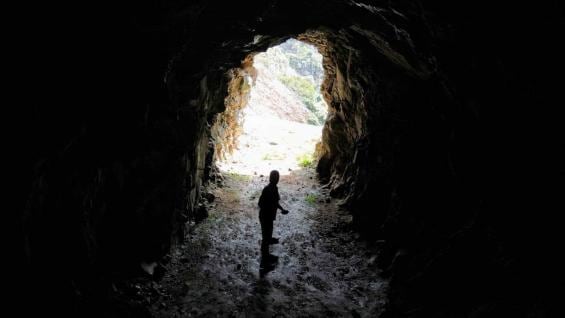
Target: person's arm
x=283, y=211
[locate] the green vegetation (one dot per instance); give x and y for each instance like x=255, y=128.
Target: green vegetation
x=310, y=96
x=212, y=216
x=239, y=177
x=304, y=58
x=311, y=198
x=305, y=160
x=302, y=73
x=301, y=86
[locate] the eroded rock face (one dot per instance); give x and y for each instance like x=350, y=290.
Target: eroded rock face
x=227, y=125
x=436, y=112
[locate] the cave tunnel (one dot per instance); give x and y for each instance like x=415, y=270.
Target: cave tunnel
x=443, y=145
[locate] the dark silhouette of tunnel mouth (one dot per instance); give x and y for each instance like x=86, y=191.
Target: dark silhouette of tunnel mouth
x=440, y=125
x=199, y=106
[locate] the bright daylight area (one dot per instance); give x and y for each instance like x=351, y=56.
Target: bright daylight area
x=283, y=119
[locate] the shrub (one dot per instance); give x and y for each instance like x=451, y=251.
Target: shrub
x=239, y=177
x=311, y=198
x=309, y=95
x=305, y=160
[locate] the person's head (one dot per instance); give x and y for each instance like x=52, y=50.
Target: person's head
x=274, y=177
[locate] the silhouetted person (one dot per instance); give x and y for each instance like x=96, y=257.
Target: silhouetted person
x=268, y=205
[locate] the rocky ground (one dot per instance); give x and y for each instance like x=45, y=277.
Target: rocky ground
x=268, y=143
x=323, y=269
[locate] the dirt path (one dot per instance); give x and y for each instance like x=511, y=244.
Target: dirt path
x=268, y=143
x=323, y=269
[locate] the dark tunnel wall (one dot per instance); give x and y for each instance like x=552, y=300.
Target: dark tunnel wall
x=443, y=139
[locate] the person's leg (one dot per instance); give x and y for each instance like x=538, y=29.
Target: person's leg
x=270, y=231
x=266, y=233
x=272, y=240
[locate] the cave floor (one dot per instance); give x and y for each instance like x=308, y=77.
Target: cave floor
x=324, y=269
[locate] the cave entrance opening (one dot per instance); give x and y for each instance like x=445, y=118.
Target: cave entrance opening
x=281, y=122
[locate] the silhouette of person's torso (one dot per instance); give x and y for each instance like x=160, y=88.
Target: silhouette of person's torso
x=269, y=202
